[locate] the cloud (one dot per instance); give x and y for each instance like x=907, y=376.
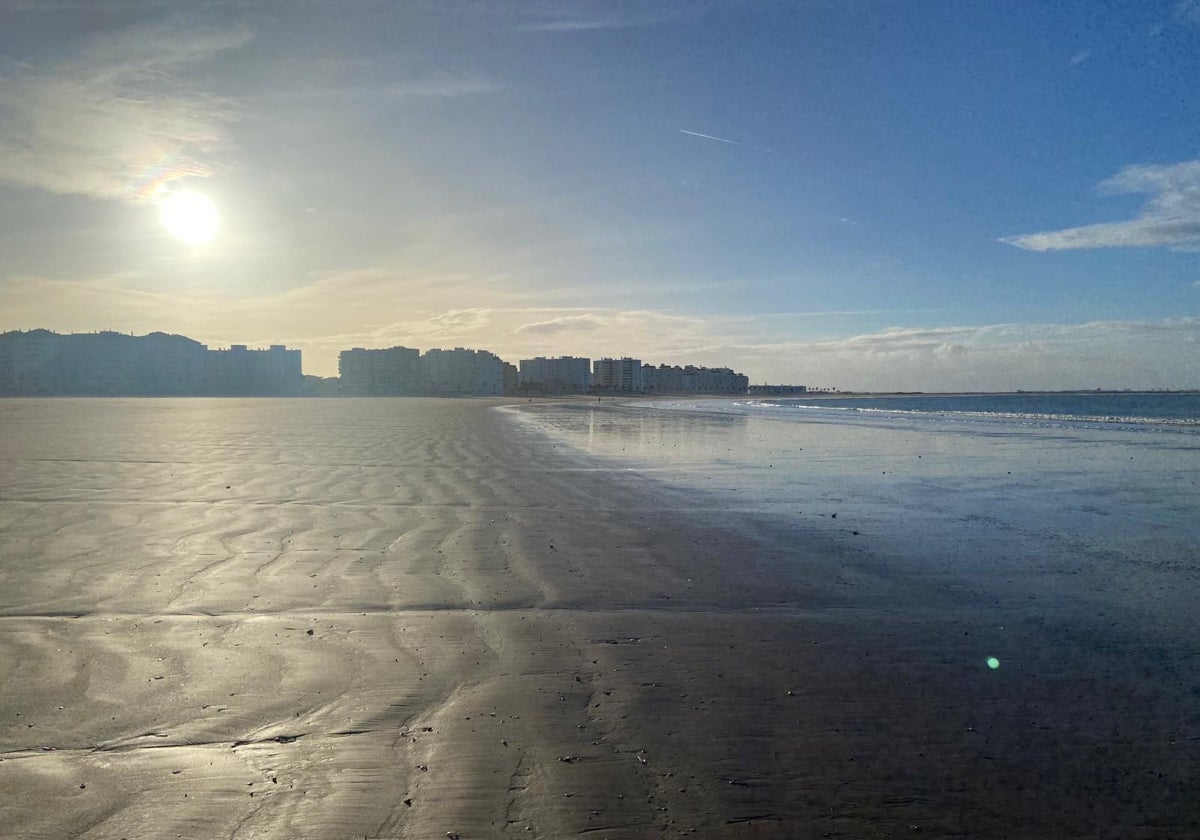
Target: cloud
x=116, y=122
x=608, y=332
x=578, y=25
x=460, y=320
x=993, y=357
x=568, y=20
x=557, y=16
x=565, y=324
x=1170, y=218
x=435, y=86
x=1080, y=57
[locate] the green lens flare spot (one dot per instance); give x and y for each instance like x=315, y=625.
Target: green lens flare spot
x=993, y=662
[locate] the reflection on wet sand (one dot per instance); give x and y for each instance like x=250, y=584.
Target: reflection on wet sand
x=409, y=618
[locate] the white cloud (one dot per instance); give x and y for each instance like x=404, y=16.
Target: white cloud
x=116, y=122
x=457, y=321
x=568, y=16
x=577, y=25
x=433, y=86
x=604, y=332
x=1170, y=218
x=1100, y=354
x=564, y=324
x=586, y=17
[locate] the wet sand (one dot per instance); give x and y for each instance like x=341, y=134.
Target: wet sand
x=408, y=618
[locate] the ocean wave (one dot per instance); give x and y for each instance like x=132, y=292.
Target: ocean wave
x=958, y=415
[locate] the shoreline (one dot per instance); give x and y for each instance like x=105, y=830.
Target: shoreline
x=507, y=636
x=615, y=395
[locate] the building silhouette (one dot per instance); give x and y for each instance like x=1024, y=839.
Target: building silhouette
x=673, y=379
x=394, y=371
x=623, y=375
x=240, y=371
x=561, y=374
x=512, y=378
x=461, y=371
x=44, y=363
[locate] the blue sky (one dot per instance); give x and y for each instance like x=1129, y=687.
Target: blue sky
x=882, y=195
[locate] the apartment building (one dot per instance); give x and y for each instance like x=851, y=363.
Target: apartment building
x=241, y=371
x=673, y=379
x=393, y=371
x=461, y=371
x=624, y=374
x=560, y=374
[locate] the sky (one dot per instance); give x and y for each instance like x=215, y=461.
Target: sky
x=861, y=194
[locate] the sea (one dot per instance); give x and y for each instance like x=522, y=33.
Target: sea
x=1074, y=498
x=1127, y=408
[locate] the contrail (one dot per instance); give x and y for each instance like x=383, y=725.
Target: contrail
x=723, y=140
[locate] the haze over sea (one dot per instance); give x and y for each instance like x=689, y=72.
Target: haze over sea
x=1057, y=497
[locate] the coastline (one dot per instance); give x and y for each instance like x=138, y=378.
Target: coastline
x=508, y=637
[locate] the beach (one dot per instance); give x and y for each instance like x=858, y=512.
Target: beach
x=414, y=618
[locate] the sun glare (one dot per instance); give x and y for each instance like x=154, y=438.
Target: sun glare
x=189, y=216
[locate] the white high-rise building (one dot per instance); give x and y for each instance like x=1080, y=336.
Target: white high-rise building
x=624, y=374
x=672, y=379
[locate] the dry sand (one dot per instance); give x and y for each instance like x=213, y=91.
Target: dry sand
x=407, y=618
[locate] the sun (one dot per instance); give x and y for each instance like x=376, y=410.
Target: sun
x=189, y=216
